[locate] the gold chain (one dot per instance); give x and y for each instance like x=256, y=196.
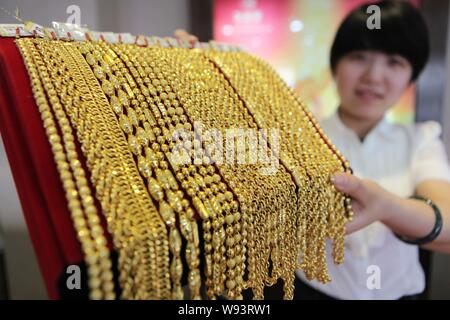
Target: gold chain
x=134, y=111
x=273, y=103
x=85, y=218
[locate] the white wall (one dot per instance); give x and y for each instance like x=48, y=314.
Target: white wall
x=151, y=17
x=45, y=11
x=154, y=17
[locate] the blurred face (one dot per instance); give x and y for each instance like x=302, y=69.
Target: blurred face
x=370, y=82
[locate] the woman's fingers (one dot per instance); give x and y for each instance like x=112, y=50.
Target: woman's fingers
x=183, y=35
x=352, y=186
x=360, y=219
x=356, y=189
x=369, y=200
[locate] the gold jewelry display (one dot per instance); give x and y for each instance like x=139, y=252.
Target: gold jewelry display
x=208, y=169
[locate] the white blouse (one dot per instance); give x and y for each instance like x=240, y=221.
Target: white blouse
x=397, y=157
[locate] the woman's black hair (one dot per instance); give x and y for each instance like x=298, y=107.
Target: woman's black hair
x=402, y=31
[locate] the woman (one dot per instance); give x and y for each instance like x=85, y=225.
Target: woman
x=372, y=69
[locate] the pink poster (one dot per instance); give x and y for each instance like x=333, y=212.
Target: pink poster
x=295, y=37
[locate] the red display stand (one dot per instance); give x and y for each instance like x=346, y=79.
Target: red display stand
x=37, y=181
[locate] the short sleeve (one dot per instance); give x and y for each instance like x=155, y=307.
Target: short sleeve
x=430, y=159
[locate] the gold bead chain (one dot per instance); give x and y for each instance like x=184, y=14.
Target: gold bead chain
x=273, y=103
x=193, y=68
x=265, y=208
x=84, y=214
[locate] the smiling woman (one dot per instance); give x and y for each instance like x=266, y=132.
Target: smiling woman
x=373, y=67
x=369, y=82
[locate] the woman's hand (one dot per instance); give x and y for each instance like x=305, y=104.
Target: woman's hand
x=183, y=35
x=408, y=217
x=370, y=201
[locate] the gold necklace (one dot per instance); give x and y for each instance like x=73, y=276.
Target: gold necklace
x=84, y=213
x=134, y=111
x=274, y=104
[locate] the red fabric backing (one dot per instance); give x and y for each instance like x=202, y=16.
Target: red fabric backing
x=37, y=181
